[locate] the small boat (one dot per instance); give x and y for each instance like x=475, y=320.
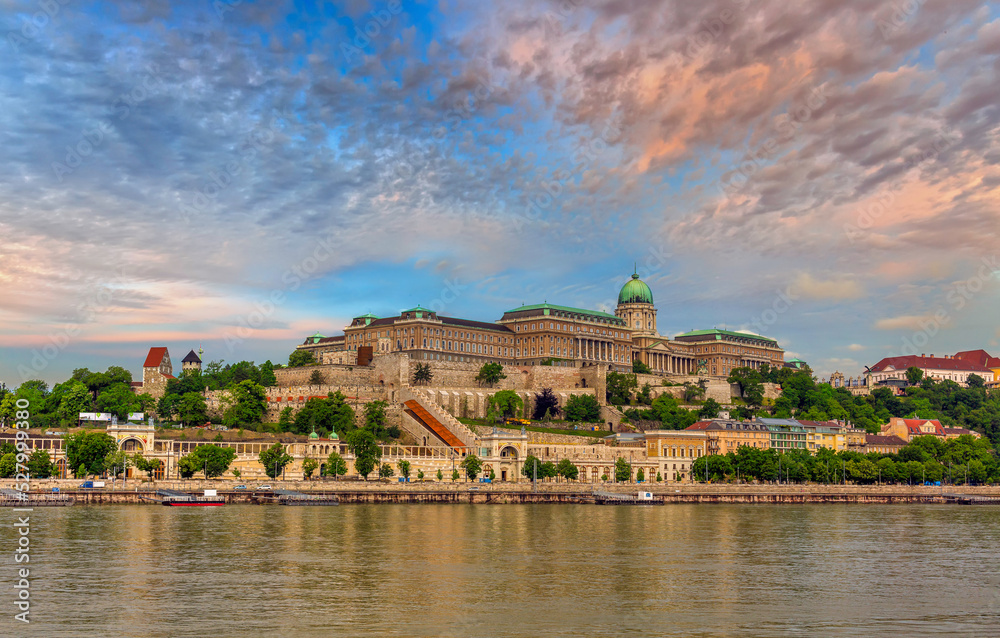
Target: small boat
x=173, y=498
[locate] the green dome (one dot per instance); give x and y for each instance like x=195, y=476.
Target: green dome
x=635, y=291
x=314, y=435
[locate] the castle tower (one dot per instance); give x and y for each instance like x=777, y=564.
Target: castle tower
x=635, y=306
x=191, y=362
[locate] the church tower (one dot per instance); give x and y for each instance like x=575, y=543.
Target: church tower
x=635, y=306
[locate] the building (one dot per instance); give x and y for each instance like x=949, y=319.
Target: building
x=832, y=435
x=156, y=371
x=675, y=451
x=908, y=429
x=984, y=359
x=785, y=438
x=191, y=363
x=725, y=436
x=719, y=351
x=892, y=370
x=883, y=444
x=550, y=334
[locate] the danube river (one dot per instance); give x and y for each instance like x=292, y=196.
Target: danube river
x=510, y=570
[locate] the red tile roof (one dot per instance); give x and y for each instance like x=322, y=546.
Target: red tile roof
x=981, y=357
x=913, y=425
x=699, y=425
x=155, y=357
x=928, y=363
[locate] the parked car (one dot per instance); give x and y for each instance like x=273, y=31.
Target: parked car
x=92, y=485
x=264, y=487
x=240, y=487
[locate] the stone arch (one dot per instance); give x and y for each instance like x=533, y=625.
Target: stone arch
x=131, y=445
x=509, y=452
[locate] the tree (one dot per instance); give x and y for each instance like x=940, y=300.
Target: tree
x=440, y=475
x=308, y=467
x=583, y=407
x=40, y=465
x=693, y=392
x=366, y=451
x=710, y=409
x=213, y=459
x=8, y=465
x=420, y=474
x=87, y=449
x=490, y=374
x=404, y=468
x=422, y=374
x=115, y=462
x=375, y=415
x=245, y=403
x=118, y=399
x=640, y=475
x=316, y=378
x=75, y=399
x=620, y=387
x=503, y=405
x=149, y=466
x=267, y=378
x=187, y=466
x=274, y=459
x=285, y=418
x=545, y=403
x=472, y=465
x=645, y=395
x=192, y=409
x=331, y=414
x=454, y=475
x=300, y=358
x=914, y=375
x=623, y=471
x=335, y=465
x=529, y=466
x=567, y=470
x=975, y=381
x=385, y=471
x=638, y=367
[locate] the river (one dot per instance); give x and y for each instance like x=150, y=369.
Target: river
x=509, y=570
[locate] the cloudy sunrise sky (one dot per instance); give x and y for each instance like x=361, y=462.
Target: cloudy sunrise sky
x=239, y=175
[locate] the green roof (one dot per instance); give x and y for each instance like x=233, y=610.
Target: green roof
x=718, y=334
x=418, y=308
x=568, y=309
x=635, y=291
x=367, y=315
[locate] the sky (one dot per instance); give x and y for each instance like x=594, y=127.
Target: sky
x=239, y=175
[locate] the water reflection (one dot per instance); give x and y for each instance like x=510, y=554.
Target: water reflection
x=457, y=570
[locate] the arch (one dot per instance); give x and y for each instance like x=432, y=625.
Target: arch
x=132, y=445
x=508, y=452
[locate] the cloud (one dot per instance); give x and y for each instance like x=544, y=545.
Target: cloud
x=855, y=347
x=905, y=322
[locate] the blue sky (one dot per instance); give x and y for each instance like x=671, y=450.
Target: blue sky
x=825, y=174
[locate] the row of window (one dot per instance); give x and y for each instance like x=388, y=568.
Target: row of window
x=569, y=328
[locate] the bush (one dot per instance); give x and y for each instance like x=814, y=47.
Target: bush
x=583, y=407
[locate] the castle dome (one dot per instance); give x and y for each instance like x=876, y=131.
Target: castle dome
x=635, y=291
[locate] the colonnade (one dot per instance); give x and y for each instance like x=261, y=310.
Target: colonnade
x=670, y=363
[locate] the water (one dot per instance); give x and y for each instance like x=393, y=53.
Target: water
x=509, y=570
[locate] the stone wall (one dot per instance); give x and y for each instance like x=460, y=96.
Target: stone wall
x=471, y=402
x=333, y=374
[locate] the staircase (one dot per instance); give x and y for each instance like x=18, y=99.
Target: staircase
x=433, y=417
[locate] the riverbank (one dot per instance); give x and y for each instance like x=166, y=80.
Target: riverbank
x=500, y=493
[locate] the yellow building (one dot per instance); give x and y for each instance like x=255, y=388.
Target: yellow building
x=675, y=451
x=725, y=436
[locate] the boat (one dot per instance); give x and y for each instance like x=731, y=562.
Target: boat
x=613, y=498
x=14, y=498
x=174, y=498
x=290, y=497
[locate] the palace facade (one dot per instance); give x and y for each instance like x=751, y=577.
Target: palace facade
x=549, y=334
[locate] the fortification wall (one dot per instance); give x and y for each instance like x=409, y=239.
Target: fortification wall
x=333, y=374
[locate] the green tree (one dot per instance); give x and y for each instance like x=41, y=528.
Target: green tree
x=583, y=407
x=335, y=465
x=149, y=466
x=40, y=465
x=267, y=378
x=529, y=466
x=440, y=475
x=422, y=374
x=375, y=415
x=472, y=465
x=503, y=405
x=420, y=474
x=285, y=418
x=620, y=387
x=192, y=409
x=308, y=467
x=274, y=459
x=404, y=468
x=118, y=399
x=75, y=399
x=623, y=471
x=187, y=465
x=490, y=374
x=213, y=459
x=316, y=378
x=331, y=414
x=567, y=470
x=454, y=475
x=693, y=392
x=87, y=449
x=710, y=409
x=300, y=358
x=385, y=471
x=8, y=465
x=645, y=395
x=366, y=451
x=638, y=367
x=116, y=462
x=245, y=403
x=914, y=375
x=546, y=402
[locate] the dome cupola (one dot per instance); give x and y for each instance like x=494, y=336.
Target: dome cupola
x=635, y=291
